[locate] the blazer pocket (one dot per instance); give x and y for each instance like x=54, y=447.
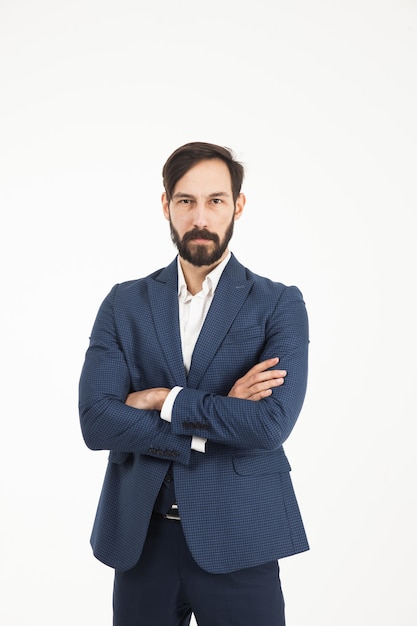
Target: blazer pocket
x=118, y=457
x=244, y=334
x=261, y=464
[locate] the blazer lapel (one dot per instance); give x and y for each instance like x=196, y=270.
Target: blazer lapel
x=231, y=292
x=163, y=295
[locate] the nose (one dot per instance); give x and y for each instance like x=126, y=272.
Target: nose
x=200, y=215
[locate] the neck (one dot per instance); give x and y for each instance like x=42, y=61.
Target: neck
x=195, y=276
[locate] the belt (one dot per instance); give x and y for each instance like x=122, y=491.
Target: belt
x=173, y=513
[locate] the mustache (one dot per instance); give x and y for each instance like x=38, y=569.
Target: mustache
x=196, y=233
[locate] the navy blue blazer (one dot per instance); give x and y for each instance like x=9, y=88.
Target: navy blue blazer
x=237, y=504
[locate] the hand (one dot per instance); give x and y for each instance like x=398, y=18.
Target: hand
x=257, y=383
x=148, y=399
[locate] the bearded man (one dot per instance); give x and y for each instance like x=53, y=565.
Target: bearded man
x=193, y=380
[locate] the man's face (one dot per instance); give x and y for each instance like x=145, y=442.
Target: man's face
x=201, y=213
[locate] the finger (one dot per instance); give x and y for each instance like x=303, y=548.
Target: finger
x=269, y=374
x=263, y=365
x=266, y=376
x=265, y=385
x=261, y=395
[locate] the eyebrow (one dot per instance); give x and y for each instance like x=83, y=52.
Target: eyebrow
x=217, y=194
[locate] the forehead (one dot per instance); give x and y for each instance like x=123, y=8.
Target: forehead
x=209, y=176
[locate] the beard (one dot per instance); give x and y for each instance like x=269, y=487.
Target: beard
x=201, y=255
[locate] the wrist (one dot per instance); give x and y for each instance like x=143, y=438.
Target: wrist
x=162, y=396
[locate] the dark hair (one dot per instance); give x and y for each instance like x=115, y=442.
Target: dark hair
x=185, y=157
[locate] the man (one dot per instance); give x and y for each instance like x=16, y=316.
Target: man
x=184, y=383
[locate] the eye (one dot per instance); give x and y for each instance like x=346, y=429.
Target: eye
x=217, y=201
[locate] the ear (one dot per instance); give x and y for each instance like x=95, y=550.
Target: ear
x=240, y=205
x=165, y=206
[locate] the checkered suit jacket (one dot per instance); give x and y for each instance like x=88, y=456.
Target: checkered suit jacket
x=236, y=501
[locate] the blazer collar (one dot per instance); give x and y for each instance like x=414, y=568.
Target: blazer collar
x=163, y=296
x=231, y=292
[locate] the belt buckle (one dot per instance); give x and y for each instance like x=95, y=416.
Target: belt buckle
x=173, y=513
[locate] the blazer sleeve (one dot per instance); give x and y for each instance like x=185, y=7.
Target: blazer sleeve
x=263, y=424
x=107, y=423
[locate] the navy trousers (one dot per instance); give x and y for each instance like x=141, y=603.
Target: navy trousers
x=167, y=586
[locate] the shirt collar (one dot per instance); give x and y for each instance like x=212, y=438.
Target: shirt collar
x=210, y=282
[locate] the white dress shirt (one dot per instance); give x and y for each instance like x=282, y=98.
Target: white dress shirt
x=192, y=313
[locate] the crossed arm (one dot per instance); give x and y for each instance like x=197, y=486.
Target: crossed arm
x=255, y=385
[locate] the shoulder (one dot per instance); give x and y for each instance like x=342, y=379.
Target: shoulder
x=266, y=287
x=262, y=287
x=268, y=284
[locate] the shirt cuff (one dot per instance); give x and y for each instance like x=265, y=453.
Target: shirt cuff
x=198, y=444
x=166, y=411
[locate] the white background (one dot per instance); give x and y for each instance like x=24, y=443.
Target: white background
x=319, y=100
